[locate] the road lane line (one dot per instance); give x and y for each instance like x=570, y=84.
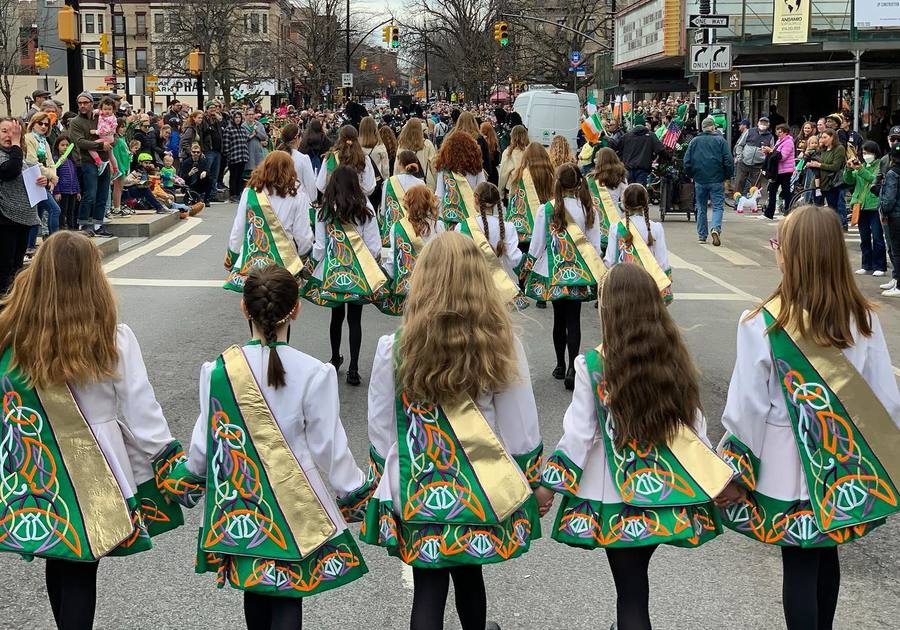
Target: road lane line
x=164, y=282
x=680, y=263
x=186, y=245
x=735, y=258
x=406, y=576
x=132, y=254
x=897, y=371
x=714, y=297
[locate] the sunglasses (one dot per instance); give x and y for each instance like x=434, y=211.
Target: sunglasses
x=774, y=244
x=43, y=123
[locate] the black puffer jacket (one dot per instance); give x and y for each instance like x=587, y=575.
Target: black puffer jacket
x=638, y=148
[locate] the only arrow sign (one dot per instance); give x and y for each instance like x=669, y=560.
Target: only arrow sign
x=699, y=51
x=718, y=52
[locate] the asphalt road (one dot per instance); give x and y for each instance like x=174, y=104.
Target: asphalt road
x=169, y=293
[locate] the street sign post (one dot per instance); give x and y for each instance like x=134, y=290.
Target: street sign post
x=710, y=57
x=110, y=80
x=346, y=79
x=701, y=36
x=708, y=21
x=575, y=57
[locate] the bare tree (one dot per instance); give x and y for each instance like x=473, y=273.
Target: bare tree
x=13, y=14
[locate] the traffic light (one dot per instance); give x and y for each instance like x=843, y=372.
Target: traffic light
x=395, y=37
x=362, y=63
x=195, y=61
x=67, y=25
x=104, y=44
x=120, y=65
x=501, y=33
x=386, y=34
x=41, y=60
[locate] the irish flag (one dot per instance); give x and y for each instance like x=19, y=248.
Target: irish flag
x=592, y=126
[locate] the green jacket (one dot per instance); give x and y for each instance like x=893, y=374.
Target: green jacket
x=832, y=162
x=122, y=155
x=862, y=179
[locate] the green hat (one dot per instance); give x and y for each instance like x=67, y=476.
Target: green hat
x=264, y=120
x=145, y=157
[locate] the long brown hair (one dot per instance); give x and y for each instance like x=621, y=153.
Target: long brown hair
x=490, y=136
x=276, y=173
x=636, y=200
x=270, y=296
x=368, y=133
x=390, y=142
x=466, y=124
x=537, y=161
x=518, y=138
x=409, y=164
x=608, y=168
x=411, y=136
x=570, y=183
x=60, y=315
x=348, y=150
x=487, y=198
x=816, y=280
x=452, y=292
x=421, y=209
x=644, y=352
x=459, y=153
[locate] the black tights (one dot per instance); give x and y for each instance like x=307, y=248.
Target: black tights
x=629, y=567
x=267, y=612
x=72, y=589
x=812, y=579
x=566, y=331
x=354, y=323
x=430, y=597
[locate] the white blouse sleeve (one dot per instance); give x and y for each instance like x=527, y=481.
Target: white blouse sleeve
x=660, y=252
x=318, y=249
x=387, y=261
x=517, y=418
x=748, y=405
x=593, y=233
x=196, y=462
x=300, y=228
x=879, y=373
x=612, y=247
x=236, y=239
x=307, y=176
x=439, y=186
x=325, y=434
x=513, y=254
x=372, y=237
x=322, y=177
x=382, y=398
x=367, y=178
x=148, y=432
x=539, y=234
x=479, y=178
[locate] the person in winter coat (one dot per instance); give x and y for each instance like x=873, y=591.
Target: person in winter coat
x=637, y=149
x=194, y=171
x=862, y=174
x=708, y=161
x=784, y=145
x=890, y=208
x=749, y=157
x=258, y=138
x=236, y=153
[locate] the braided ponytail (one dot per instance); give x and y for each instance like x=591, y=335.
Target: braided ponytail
x=487, y=197
x=270, y=296
x=635, y=198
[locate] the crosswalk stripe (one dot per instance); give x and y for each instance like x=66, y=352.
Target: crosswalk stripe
x=134, y=253
x=735, y=258
x=186, y=245
x=164, y=282
x=680, y=263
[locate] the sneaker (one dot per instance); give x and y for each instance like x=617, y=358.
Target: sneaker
x=895, y=292
x=702, y=241
x=715, y=238
x=88, y=231
x=104, y=233
x=183, y=214
x=877, y=273
x=164, y=211
x=887, y=286
x=861, y=272
x=234, y=199
x=196, y=208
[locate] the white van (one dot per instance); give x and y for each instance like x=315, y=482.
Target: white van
x=550, y=113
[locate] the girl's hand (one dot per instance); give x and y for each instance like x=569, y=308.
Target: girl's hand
x=815, y=164
x=78, y=196
x=733, y=493
x=57, y=197
x=544, y=498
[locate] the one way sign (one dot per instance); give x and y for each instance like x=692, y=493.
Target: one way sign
x=708, y=21
x=710, y=57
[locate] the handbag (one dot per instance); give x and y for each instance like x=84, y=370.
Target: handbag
x=770, y=165
x=854, y=213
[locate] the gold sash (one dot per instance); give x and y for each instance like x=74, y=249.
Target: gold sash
x=857, y=398
x=533, y=201
x=399, y=192
x=373, y=274
x=504, y=284
x=414, y=238
x=285, y=246
x=306, y=517
x=701, y=462
x=648, y=260
x=466, y=194
x=607, y=205
x=107, y=519
x=497, y=472
x=590, y=256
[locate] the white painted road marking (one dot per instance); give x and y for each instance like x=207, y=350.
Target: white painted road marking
x=679, y=263
x=164, y=282
x=134, y=253
x=186, y=245
x=735, y=258
x=406, y=576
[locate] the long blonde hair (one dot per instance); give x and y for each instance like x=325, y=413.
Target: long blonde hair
x=60, y=315
x=816, y=280
x=457, y=334
x=518, y=138
x=466, y=124
x=412, y=137
x=368, y=133
x=561, y=152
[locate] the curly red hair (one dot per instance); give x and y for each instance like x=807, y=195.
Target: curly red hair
x=459, y=153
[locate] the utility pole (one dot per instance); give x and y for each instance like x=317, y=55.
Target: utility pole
x=73, y=66
x=347, y=91
x=703, y=81
x=425, y=34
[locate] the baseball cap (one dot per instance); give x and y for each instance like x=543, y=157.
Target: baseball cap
x=38, y=93
x=745, y=122
x=145, y=157
x=763, y=118
x=895, y=131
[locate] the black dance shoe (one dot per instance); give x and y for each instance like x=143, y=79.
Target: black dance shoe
x=570, y=379
x=353, y=377
x=559, y=372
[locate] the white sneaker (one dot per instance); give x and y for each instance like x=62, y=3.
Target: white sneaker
x=895, y=292
x=877, y=274
x=860, y=272
x=888, y=285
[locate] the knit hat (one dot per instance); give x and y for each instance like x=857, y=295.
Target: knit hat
x=86, y=95
x=708, y=124
x=145, y=157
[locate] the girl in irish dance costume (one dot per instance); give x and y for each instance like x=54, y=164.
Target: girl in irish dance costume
x=642, y=242
x=607, y=183
x=81, y=434
x=408, y=237
x=408, y=174
x=566, y=266
x=812, y=368
x=271, y=225
x=271, y=528
x=455, y=436
x=459, y=171
x=500, y=235
x=634, y=465
x=346, y=253
x=531, y=186
x=348, y=152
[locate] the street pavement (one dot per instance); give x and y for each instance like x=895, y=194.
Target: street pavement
x=170, y=293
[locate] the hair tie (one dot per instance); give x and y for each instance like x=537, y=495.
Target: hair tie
x=284, y=319
x=348, y=142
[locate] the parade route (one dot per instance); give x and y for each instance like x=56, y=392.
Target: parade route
x=169, y=290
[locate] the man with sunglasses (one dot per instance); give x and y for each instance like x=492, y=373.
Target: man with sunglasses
x=94, y=183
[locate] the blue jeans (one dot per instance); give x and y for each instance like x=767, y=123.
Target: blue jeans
x=704, y=193
x=94, y=193
x=638, y=176
x=212, y=175
x=143, y=196
x=842, y=207
x=52, y=210
x=871, y=235
x=833, y=200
